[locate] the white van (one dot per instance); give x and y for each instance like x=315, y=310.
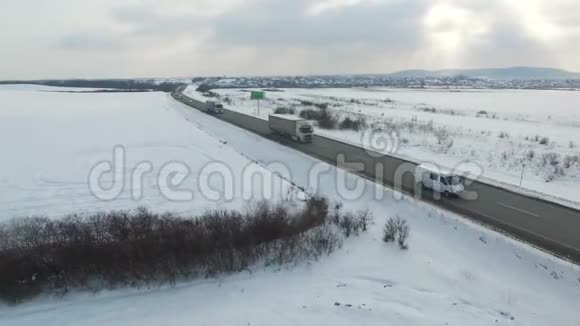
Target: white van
x=445, y=182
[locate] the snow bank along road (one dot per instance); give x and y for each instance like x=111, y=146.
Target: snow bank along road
x=548, y=225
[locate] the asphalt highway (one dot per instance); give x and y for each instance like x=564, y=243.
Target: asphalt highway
x=547, y=225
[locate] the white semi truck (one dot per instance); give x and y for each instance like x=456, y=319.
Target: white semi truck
x=208, y=106
x=291, y=126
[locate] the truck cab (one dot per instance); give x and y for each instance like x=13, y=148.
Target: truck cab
x=304, y=131
x=214, y=107
x=445, y=182
x=219, y=108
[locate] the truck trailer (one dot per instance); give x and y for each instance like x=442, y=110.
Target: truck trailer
x=291, y=126
x=212, y=107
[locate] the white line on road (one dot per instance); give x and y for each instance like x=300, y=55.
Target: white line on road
x=527, y=231
x=517, y=209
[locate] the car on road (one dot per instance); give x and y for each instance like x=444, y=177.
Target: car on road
x=439, y=180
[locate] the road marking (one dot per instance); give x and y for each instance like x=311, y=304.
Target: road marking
x=517, y=209
x=520, y=238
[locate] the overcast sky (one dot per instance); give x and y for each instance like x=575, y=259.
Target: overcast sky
x=178, y=38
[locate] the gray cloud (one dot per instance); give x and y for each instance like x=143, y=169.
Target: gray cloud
x=89, y=42
x=122, y=38
x=508, y=42
x=346, y=40
x=507, y=45
x=393, y=24
x=144, y=20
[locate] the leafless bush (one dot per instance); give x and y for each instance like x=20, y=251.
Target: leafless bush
x=353, y=124
x=396, y=229
x=324, y=117
x=444, y=140
x=284, y=110
x=442, y=135
x=403, y=236
x=428, y=109
x=363, y=218
x=570, y=160
x=552, y=172
x=550, y=158
x=544, y=141
x=327, y=120
x=310, y=114
x=349, y=223
x=390, y=231
x=141, y=248
x=552, y=164
x=505, y=156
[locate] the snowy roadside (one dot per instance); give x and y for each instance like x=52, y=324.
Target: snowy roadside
x=472, y=137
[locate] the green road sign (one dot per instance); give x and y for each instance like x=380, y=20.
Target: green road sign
x=258, y=95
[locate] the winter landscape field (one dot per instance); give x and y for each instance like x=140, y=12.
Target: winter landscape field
x=78, y=131
x=521, y=139
x=453, y=273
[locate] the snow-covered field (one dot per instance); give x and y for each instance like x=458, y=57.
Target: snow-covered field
x=52, y=141
x=454, y=273
x=505, y=132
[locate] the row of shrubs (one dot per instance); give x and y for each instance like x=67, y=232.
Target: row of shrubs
x=324, y=117
x=322, y=106
x=328, y=120
x=550, y=165
x=538, y=139
x=142, y=248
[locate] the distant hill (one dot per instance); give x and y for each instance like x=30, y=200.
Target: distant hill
x=521, y=73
